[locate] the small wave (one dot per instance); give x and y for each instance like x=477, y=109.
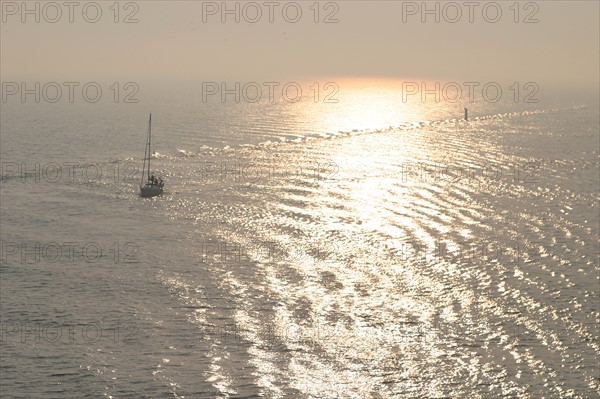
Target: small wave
x=404, y=126
x=183, y=153
x=205, y=150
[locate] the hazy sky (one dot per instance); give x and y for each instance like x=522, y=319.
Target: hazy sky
x=171, y=42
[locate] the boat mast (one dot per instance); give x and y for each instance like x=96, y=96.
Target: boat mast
x=149, y=148
x=147, y=153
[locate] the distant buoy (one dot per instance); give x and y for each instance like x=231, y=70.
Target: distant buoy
x=466, y=114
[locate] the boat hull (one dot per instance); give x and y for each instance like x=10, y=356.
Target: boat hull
x=150, y=191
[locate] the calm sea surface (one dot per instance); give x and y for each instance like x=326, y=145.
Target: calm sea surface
x=368, y=248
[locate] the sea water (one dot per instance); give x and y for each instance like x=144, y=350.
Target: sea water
x=364, y=248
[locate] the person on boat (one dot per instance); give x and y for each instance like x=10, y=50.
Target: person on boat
x=160, y=182
x=153, y=180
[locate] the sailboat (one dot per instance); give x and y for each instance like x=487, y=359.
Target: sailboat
x=153, y=186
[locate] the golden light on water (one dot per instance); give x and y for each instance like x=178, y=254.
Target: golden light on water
x=358, y=105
